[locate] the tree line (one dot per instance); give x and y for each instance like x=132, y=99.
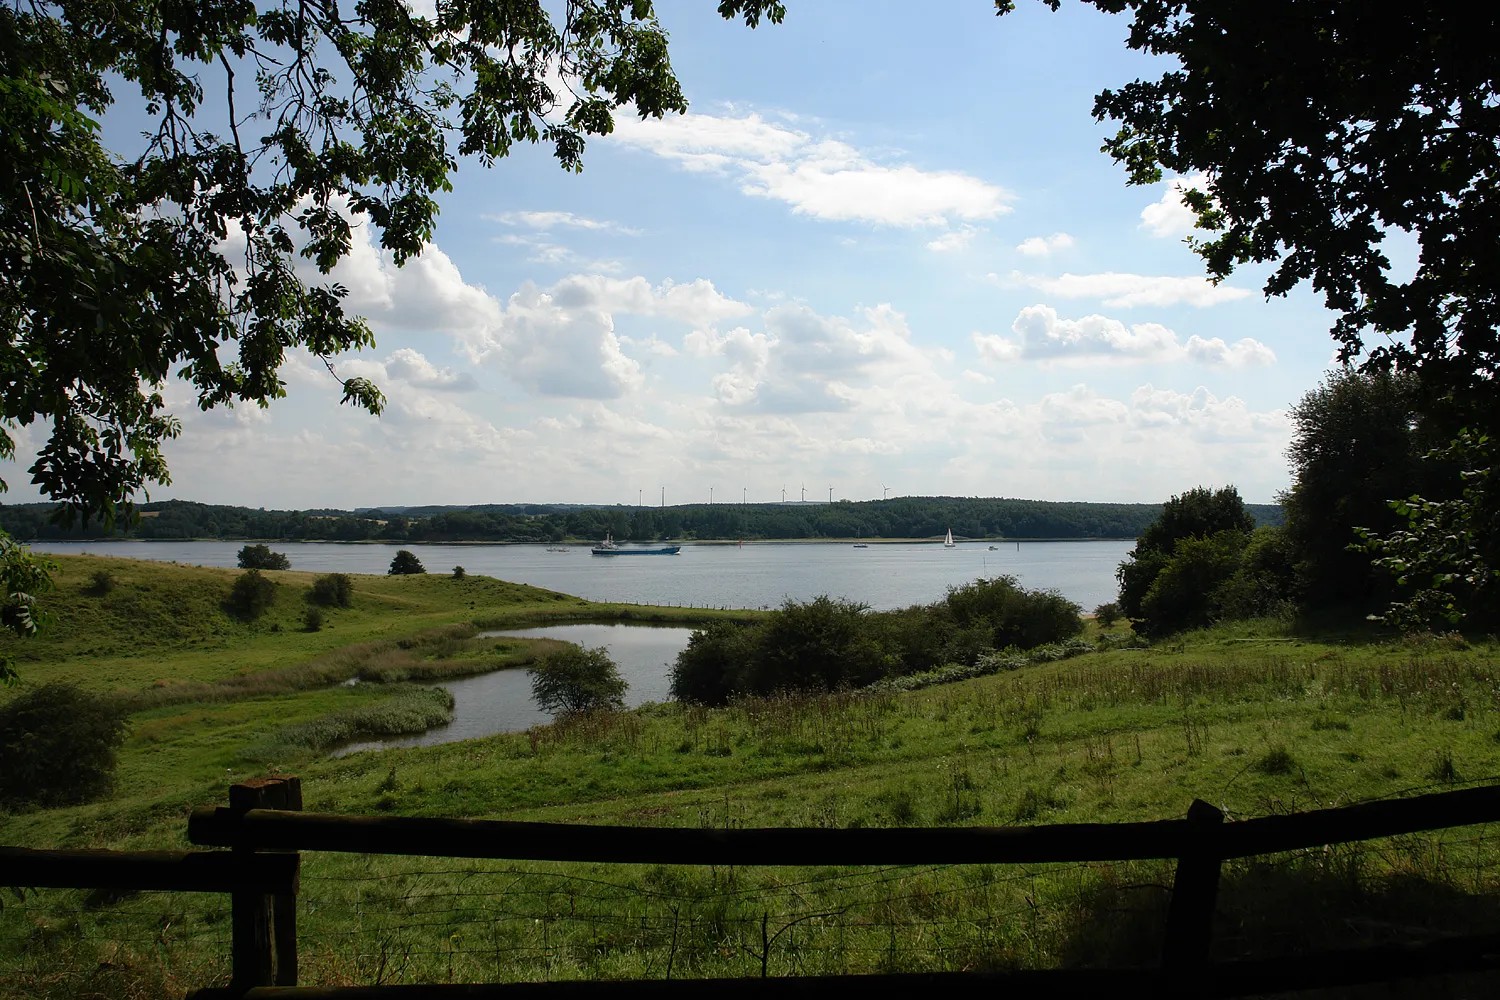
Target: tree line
x=903, y=517
x=1368, y=466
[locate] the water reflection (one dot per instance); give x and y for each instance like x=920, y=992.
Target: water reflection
x=501, y=702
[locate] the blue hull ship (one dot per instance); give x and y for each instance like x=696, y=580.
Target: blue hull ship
x=609, y=548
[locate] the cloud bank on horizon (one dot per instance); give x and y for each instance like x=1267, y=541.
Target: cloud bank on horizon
x=936, y=292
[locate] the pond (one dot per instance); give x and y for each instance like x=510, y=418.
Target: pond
x=501, y=702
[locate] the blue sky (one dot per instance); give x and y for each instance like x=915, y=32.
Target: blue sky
x=882, y=250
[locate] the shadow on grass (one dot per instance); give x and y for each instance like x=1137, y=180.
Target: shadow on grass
x=1272, y=909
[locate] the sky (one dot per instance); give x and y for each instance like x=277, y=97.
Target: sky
x=882, y=253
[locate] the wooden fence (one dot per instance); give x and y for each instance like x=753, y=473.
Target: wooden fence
x=264, y=826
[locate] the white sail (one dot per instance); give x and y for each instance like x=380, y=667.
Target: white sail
x=948, y=541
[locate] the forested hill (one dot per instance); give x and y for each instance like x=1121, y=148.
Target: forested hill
x=903, y=517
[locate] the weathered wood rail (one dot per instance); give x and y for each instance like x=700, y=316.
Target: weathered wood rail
x=264, y=827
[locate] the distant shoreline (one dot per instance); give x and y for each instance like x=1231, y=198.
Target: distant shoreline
x=572, y=543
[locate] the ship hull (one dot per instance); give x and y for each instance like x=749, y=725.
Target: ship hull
x=670, y=550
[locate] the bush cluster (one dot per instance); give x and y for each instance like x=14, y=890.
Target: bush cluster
x=251, y=595
x=335, y=590
x=827, y=644
x=1203, y=561
x=405, y=563
x=58, y=746
x=261, y=557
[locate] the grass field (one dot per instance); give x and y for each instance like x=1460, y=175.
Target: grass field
x=1252, y=717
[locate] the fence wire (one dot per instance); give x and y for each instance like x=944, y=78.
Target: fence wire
x=368, y=919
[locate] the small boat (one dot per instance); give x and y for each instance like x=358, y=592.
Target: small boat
x=860, y=545
x=558, y=548
x=609, y=547
x=948, y=542
x=994, y=548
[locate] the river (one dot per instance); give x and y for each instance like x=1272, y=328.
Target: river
x=759, y=575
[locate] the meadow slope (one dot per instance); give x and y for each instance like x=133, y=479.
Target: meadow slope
x=1251, y=717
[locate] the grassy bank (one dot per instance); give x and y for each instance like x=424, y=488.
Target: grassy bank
x=1253, y=718
x=162, y=624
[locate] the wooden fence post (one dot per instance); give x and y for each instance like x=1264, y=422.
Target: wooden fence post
x=264, y=925
x=1195, y=889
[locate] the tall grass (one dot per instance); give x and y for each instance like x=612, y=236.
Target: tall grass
x=436, y=654
x=410, y=710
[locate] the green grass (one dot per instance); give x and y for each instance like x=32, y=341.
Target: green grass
x=1251, y=717
x=166, y=624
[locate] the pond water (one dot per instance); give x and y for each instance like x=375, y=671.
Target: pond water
x=501, y=702
x=763, y=574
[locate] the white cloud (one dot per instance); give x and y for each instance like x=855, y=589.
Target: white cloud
x=1243, y=353
x=652, y=344
x=411, y=366
x=1206, y=416
x=1041, y=335
x=1044, y=246
x=1169, y=216
x=545, y=252
x=558, y=341
x=821, y=177
x=956, y=239
x=547, y=221
x=976, y=378
x=1123, y=291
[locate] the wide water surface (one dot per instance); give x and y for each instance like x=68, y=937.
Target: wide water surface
x=885, y=575
x=501, y=702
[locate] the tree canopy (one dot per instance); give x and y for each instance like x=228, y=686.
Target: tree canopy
x=1321, y=130
x=205, y=251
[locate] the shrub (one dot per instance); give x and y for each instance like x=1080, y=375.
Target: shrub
x=261, y=557
x=101, y=582
x=251, y=595
x=58, y=744
x=312, y=619
x=1277, y=760
x=336, y=590
x=1263, y=583
x=713, y=665
x=823, y=643
x=405, y=563
x=577, y=679
x=1015, y=616
x=458, y=572
x=1182, y=595
x=1107, y=614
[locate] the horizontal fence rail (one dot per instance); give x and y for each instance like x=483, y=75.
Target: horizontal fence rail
x=264, y=827
x=149, y=871
x=468, y=838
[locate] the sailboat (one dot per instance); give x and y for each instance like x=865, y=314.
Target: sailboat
x=948, y=542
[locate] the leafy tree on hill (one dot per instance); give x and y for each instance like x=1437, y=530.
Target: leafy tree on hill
x=251, y=595
x=577, y=680
x=1308, y=132
x=261, y=557
x=332, y=590
x=405, y=563
x=1358, y=444
x=1198, y=513
x=120, y=269
x=58, y=743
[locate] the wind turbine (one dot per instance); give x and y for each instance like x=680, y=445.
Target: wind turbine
x=783, y=494
x=744, y=495
x=804, y=493
x=710, y=494
x=884, y=489
x=830, y=493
